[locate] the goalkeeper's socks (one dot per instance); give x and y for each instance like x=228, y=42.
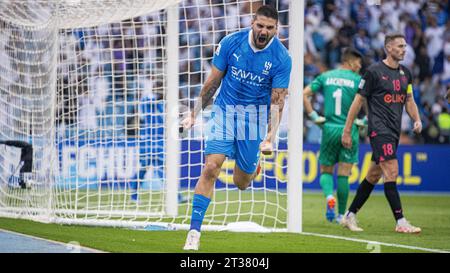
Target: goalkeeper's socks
x=391, y=193
x=200, y=204
x=326, y=182
x=362, y=194
x=342, y=193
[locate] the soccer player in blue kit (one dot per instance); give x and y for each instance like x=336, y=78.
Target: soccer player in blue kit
x=252, y=69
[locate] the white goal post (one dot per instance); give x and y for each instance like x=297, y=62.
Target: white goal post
x=98, y=87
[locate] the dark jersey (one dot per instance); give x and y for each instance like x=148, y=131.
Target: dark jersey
x=385, y=89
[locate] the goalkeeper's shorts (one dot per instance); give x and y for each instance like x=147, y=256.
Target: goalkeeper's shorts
x=331, y=149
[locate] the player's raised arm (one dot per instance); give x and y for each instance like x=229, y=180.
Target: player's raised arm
x=413, y=112
x=209, y=88
x=276, y=111
x=354, y=110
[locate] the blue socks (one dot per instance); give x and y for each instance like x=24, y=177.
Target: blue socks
x=199, y=206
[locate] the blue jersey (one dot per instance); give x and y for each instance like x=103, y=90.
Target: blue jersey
x=250, y=74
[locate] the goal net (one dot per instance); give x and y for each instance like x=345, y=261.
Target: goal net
x=98, y=88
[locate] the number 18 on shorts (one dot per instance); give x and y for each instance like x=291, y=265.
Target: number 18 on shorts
x=384, y=148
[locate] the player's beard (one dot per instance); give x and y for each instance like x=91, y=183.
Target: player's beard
x=399, y=57
x=261, y=41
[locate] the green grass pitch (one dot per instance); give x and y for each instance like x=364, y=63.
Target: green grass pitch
x=430, y=212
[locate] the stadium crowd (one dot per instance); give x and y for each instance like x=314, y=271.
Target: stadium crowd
x=131, y=63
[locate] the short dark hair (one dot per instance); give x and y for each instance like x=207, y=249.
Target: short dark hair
x=349, y=53
x=268, y=11
x=391, y=37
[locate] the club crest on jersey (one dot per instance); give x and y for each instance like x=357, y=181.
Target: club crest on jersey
x=218, y=49
x=401, y=72
x=267, y=67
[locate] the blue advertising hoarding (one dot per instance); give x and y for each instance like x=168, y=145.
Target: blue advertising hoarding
x=422, y=168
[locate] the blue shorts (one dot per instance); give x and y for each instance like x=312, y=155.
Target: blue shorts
x=236, y=136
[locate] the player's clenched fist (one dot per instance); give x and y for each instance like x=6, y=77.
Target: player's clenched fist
x=266, y=147
x=346, y=140
x=417, y=127
x=188, y=122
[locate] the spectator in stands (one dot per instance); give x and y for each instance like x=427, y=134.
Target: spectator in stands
x=444, y=125
x=434, y=35
x=361, y=41
x=330, y=25
x=447, y=96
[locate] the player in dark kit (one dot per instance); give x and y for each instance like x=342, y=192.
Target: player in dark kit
x=386, y=86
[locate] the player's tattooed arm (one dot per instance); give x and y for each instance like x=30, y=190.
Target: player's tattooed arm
x=277, y=102
x=210, y=87
x=413, y=112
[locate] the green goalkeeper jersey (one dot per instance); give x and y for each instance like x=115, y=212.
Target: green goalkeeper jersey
x=339, y=87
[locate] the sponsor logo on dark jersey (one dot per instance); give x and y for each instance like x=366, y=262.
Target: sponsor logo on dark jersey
x=394, y=98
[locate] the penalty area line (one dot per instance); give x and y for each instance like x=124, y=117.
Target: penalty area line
x=374, y=242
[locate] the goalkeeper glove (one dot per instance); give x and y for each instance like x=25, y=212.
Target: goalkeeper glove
x=319, y=120
x=362, y=126
x=361, y=122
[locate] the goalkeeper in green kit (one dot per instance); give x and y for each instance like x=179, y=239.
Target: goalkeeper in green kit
x=339, y=87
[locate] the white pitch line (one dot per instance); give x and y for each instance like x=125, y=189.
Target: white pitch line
x=374, y=242
x=51, y=241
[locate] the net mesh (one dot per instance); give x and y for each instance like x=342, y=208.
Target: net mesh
x=85, y=82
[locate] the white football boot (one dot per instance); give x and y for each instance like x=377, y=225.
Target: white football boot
x=192, y=240
x=403, y=226
x=349, y=221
